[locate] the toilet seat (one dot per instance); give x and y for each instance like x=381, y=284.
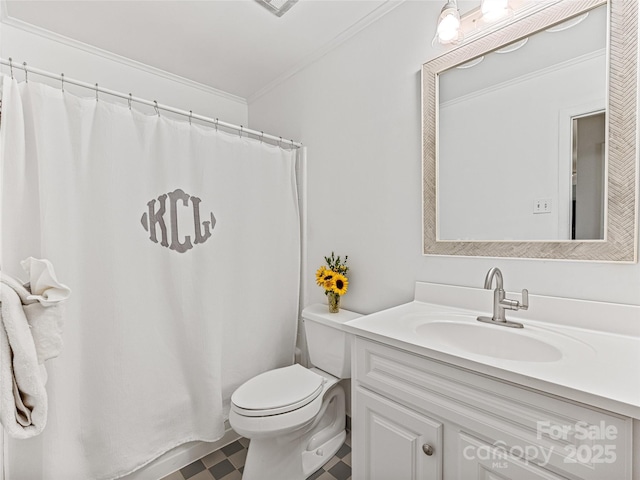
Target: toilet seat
x=277, y=391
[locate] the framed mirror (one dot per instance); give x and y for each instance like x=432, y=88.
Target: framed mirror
x=529, y=138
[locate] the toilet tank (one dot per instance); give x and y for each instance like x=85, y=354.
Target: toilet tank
x=329, y=345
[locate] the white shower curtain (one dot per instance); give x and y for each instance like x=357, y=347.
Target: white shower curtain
x=181, y=246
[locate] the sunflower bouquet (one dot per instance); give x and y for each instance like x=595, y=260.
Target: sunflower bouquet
x=333, y=278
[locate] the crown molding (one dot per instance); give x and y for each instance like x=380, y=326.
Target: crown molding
x=5, y=19
x=375, y=15
x=313, y=57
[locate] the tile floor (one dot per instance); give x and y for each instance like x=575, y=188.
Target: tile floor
x=228, y=462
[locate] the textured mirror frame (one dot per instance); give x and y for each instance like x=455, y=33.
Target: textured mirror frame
x=620, y=242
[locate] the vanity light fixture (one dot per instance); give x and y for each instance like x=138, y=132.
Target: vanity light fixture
x=451, y=26
x=493, y=10
x=448, y=30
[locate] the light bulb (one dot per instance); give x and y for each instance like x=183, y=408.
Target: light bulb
x=448, y=29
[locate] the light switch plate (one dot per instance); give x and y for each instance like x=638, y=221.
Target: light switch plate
x=542, y=205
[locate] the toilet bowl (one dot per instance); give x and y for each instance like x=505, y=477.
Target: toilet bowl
x=295, y=416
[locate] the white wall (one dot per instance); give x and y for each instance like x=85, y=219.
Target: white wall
x=81, y=62
x=358, y=109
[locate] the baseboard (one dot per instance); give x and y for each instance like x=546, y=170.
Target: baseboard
x=181, y=456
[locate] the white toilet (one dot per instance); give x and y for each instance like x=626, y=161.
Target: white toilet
x=294, y=416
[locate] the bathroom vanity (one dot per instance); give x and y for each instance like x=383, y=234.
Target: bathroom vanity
x=439, y=395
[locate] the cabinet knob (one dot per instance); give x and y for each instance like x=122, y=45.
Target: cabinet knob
x=427, y=449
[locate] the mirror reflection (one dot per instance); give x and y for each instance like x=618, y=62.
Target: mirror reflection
x=588, y=176
x=521, y=136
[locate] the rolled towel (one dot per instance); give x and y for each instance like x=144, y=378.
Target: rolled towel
x=43, y=284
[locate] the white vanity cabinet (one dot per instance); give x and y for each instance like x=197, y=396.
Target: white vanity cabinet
x=418, y=418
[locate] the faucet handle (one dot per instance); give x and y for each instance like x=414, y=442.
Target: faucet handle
x=516, y=305
x=525, y=299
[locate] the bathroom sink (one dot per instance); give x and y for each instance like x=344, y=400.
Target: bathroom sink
x=457, y=332
x=555, y=352
x=490, y=340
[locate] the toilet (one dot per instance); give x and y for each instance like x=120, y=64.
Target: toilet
x=295, y=416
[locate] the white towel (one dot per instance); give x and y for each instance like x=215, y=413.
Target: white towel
x=23, y=398
x=43, y=284
x=31, y=334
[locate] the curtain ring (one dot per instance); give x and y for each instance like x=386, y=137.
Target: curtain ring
x=190, y=115
x=129, y=100
x=96, y=92
x=261, y=136
x=11, y=67
x=156, y=107
x=216, y=124
x=62, y=81
x=280, y=142
x=26, y=78
x=292, y=145
x=241, y=130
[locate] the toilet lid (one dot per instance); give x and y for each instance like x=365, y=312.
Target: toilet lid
x=277, y=391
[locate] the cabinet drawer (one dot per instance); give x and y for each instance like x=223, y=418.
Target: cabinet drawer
x=558, y=435
x=481, y=461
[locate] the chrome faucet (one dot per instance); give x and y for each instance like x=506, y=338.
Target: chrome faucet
x=500, y=303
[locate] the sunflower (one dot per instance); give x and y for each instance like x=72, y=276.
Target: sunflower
x=340, y=284
x=320, y=273
x=328, y=281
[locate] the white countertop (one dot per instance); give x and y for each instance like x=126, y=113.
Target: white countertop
x=598, y=367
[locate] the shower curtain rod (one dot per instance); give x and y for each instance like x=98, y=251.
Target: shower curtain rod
x=158, y=106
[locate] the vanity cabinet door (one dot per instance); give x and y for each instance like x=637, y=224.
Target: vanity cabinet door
x=393, y=442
